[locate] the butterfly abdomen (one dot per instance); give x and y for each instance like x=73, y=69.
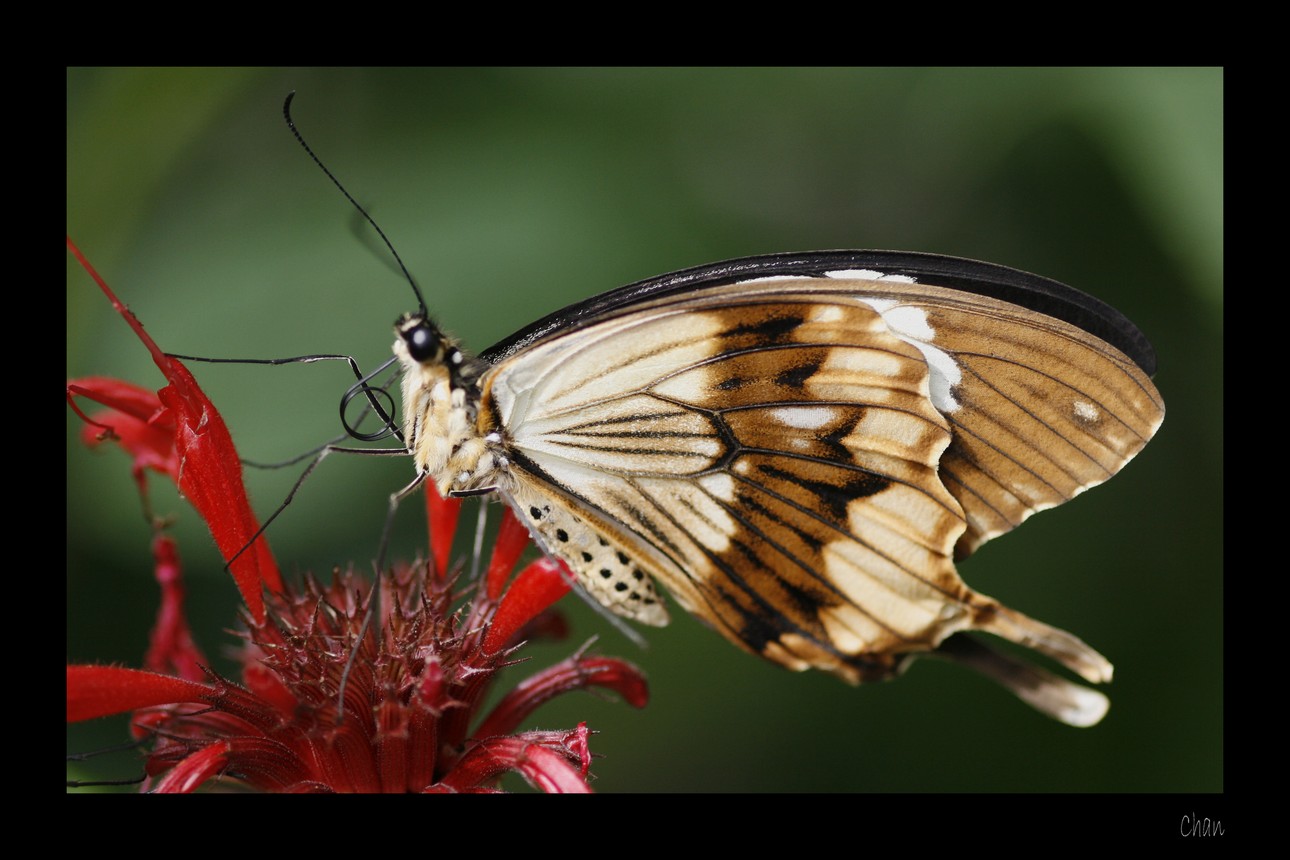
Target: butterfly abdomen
x=604, y=568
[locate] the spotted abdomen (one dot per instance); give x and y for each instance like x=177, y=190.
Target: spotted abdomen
x=605, y=569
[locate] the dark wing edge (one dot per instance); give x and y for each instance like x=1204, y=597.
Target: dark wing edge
x=1024, y=289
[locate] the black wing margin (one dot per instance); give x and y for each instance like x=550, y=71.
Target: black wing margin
x=1020, y=288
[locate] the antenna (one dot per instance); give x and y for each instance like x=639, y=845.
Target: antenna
x=291, y=124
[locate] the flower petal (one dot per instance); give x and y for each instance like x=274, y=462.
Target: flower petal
x=542, y=758
x=171, y=648
x=536, y=587
x=98, y=691
x=575, y=673
x=512, y=537
x=189, y=774
x=210, y=476
x=442, y=515
x=136, y=421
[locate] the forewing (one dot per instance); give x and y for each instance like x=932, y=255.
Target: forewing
x=1041, y=410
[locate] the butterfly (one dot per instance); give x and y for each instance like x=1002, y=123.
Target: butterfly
x=798, y=447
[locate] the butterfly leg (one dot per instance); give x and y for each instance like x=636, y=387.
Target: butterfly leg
x=374, y=598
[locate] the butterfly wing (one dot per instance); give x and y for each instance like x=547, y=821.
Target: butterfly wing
x=1040, y=410
x=797, y=458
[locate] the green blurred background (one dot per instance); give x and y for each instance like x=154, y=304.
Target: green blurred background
x=513, y=192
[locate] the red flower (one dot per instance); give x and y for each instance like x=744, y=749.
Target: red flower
x=412, y=714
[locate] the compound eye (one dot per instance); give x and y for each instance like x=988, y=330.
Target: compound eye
x=423, y=341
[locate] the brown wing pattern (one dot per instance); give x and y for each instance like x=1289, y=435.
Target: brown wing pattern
x=794, y=464
x=1047, y=411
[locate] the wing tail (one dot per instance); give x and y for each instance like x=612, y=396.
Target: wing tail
x=1063, y=700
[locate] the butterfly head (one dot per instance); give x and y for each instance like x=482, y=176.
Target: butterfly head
x=441, y=407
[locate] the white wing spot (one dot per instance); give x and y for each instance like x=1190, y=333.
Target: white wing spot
x=720, y=485
x=868, y=275
x=827, y=314
x=804, y=417
x=1086, y=412
x=856, y=275
x=945, y=375
x=770, y=279
x=909, y=323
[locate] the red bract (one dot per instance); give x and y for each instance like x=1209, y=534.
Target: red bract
x=136, y=420
x=199, y=456
x=412, y=716
x=413, y=704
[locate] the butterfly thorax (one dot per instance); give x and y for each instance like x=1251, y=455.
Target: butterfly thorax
x=453, y=431
x=441, y=406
